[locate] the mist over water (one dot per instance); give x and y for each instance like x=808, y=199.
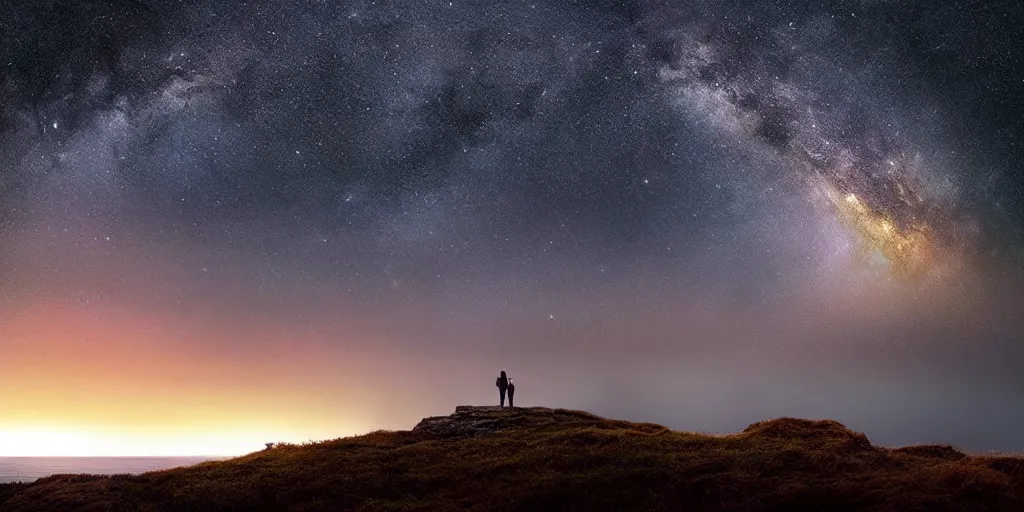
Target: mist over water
x=28, y=469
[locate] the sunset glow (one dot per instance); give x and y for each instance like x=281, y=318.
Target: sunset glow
x=138, y=396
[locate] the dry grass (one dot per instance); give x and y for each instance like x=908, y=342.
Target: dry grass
x=544, y=459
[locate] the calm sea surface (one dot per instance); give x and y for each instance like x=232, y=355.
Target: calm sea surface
x=27, y=469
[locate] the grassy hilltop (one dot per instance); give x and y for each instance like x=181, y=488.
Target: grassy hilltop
x=484, y=458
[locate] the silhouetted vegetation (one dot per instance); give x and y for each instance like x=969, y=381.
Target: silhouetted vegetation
x=543, y=459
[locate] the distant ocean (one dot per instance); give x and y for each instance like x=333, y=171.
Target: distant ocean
x=28, y=469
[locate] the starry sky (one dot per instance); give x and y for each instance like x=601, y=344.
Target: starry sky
x=226, y=223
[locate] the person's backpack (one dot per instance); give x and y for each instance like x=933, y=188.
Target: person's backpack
x=497, y=382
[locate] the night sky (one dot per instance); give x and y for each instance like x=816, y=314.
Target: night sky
x=224, y=223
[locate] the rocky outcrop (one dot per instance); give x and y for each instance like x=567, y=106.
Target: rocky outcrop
x=472, y=421
x=466, y=422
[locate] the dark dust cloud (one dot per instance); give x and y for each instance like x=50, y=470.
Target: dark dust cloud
x=703, y=214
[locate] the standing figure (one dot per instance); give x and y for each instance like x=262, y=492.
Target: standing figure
x=511, y=392
x=502, y=384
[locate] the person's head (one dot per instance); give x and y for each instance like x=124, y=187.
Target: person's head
x=510, y=382
x=503, y=373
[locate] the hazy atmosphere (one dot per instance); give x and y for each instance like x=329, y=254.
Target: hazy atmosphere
x=226, y=223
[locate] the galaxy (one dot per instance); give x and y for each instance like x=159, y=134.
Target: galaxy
x=227, y=223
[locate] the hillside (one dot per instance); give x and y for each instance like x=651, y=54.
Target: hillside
x=485, y=458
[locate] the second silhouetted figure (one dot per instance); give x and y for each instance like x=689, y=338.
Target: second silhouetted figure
x=502, y=384
x=511, y=392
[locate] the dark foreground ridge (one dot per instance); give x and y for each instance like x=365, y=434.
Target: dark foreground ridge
x=525, y=459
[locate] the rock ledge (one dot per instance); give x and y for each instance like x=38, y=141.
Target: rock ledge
x=472, y=420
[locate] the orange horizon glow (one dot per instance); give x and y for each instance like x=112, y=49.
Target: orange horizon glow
x=114, y=383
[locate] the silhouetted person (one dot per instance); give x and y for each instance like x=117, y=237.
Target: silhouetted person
x=502, y=384
x=511, y=392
